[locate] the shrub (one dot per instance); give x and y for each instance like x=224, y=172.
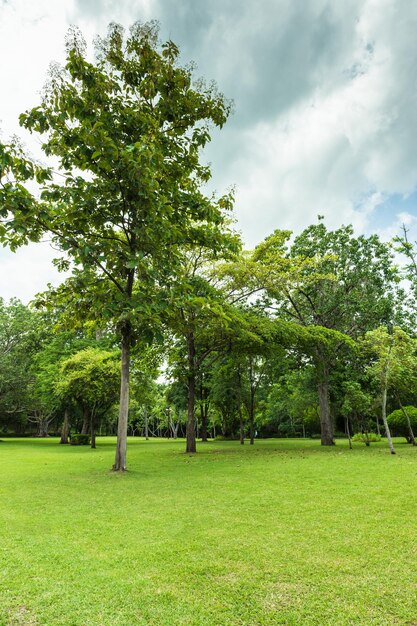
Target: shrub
x=398, y=423
x=366, y=438
x=80, y=440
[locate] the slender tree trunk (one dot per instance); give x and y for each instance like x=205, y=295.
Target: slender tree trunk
x=203, y=413
x=239, y=390
x=174, y=428
x=145, y=417
x=384, y=399
x=326, y=424
x=252, y=416
x=241, y=427
x=407, y=418
x=190, y=434
x=121, y=446
x=378, y=429
x=93, y=431
x=384, y=418
x=86, y=421
x=65, y=428
x=348, y=433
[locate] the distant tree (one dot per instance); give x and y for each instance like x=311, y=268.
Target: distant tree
x=332, y=283
x=389, y=349
x=90, y=378
x=393, y=366
x=198, y=320
x=356, y=408
x=401, y=420
x=292, y=402
x=146, y=363
x=23, y=332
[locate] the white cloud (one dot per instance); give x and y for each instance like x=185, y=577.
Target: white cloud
x=406, y=218
x=27, y=272
x=343, y=149
x=325, y=96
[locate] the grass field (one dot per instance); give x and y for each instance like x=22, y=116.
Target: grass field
x=285, y=532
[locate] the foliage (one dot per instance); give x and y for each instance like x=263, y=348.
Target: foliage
x=398, y=422
x=23, y=333
x=366, y=437
x=127, y=131
x=91, y=378
x=292, y=403
x=79, y=439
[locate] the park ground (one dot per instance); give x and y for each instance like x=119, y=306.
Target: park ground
x=284, y=532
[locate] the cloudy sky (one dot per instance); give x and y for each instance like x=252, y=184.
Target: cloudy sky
x=325, y=94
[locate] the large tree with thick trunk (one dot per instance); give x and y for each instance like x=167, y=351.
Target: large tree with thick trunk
x=126, y=130
x=355, y=290
x=333, y=285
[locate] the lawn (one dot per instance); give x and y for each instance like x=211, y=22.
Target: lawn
x=285, y=532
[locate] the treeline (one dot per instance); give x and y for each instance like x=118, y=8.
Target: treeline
x=299, y=337
x=312, y=338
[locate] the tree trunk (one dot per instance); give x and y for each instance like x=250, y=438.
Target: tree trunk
x=384, y=419
x=174, y=428
x=203, y=412
x=407, y=417
x=145, y=417
x=43, y=425
x=348, y=433
x=86, y=421
x=190, y=434
x=93, y=431
x=241, y=429
x=121, y=446
x=65, y=428
x=325, y=418
x=326, y=424
x=252, y=416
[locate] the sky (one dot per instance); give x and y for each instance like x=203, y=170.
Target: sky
x=325, y=105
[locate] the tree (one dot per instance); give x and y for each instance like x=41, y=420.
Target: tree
x=146, y=364
x=356, y=408
x=382, y=344
x=292, y=406
x=90, y=378
x=126, y=131
x=393, y=354
x=23, y=333
x=199, y=319
x=401, y=420
x=334, y=284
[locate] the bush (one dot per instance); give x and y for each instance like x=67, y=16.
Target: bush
x=80, y=440
x=398, y=423
x=366, y=438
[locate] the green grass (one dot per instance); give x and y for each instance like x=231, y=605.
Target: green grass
x=285, y=532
